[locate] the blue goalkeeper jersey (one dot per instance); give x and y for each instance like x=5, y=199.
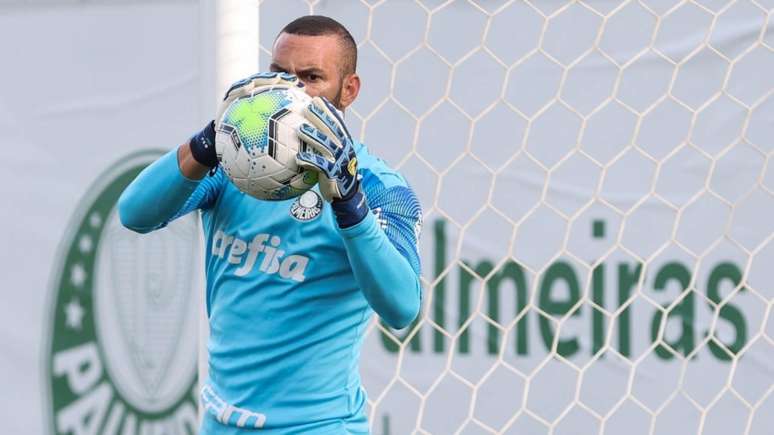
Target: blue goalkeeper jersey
x=289, y=293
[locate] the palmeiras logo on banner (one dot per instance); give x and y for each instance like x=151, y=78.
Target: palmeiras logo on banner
x=122, y=339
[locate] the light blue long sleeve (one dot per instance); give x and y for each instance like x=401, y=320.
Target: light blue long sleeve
x=161, y=194
x=389, y=283
x=382, y=249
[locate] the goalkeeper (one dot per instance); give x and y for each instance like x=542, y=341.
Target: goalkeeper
x=289, y=292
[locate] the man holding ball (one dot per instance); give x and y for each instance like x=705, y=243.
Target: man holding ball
x=292, y=285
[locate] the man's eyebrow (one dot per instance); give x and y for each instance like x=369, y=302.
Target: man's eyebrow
x=312, y=70
x=275, y=67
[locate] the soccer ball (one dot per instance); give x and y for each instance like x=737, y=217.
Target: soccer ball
x=256, y=143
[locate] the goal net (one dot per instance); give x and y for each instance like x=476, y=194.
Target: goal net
x=597, y=185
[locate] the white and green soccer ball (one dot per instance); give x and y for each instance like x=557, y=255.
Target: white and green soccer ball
x=256, y=143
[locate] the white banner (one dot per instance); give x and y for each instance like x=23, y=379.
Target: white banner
x=595, y=176
x=99, y=329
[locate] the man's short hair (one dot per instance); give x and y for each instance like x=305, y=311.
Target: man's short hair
x=319, y=25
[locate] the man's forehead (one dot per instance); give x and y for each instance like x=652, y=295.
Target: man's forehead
x=305, y=50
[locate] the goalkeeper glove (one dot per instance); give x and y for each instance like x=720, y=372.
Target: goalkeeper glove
x=334, y=161
x=203, y=143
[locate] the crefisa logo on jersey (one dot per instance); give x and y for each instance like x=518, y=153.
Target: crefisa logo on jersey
x=121, y=346
x=307, y=206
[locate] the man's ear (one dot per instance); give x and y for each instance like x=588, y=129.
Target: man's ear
x=349, y=89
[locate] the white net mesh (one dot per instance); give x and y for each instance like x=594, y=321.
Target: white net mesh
x=597, y=186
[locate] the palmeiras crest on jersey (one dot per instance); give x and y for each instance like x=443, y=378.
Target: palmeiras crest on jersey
x=307, y=206
x=121, y=347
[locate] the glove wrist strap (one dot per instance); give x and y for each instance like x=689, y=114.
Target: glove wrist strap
x=203, y=146
x=352, y=210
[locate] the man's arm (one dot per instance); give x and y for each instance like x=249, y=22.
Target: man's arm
x=189, y=167
x=382, y=251
x=170, y=187
x=176, y=184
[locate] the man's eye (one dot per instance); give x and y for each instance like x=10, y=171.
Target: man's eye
x=312, y=78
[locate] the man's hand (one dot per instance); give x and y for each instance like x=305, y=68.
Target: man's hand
x=202, y=144
x=249, y=85
x=335, y=159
